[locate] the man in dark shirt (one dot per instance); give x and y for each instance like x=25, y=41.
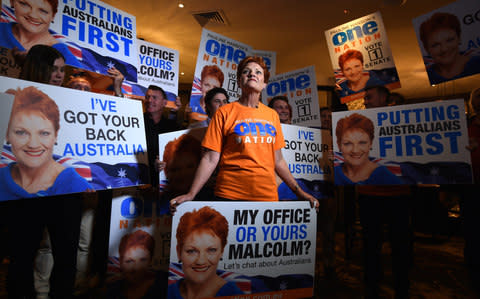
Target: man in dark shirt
x=155, y=100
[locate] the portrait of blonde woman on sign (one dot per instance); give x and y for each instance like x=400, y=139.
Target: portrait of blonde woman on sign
x=32, y=133
x=33, y=19
x=137, y=279
x=356, y=79
x=441, y=38
x=201, y=239
x=245, y=140
x=355, y=134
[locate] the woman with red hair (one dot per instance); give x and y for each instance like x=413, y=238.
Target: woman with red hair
x=136, y=251
x=201, y=238
x=351, y=65
x=33, y=19
x=245, y=139
x=440, y=36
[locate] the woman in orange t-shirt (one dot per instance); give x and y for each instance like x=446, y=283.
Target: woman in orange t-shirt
x=245, y=139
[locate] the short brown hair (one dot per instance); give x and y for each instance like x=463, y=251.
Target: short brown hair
x=204, y=219
x=213, y=71
x=139, y=239
x=439, y=20
x=354, y=121
x=33, y=100
x=257, y=59
x=350, y=54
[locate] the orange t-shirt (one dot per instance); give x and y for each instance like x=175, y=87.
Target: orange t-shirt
x=246, y=139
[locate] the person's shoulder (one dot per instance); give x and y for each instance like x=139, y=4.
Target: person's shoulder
x=381, y=175
x=229, y=289
x=173, y=290
x=70, y=177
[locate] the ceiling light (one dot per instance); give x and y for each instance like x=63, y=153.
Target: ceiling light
x=180, y=4
x=182, y=73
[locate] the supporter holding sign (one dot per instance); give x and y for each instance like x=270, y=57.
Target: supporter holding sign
x=245, y=139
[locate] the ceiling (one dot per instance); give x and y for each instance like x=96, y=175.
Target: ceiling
x=295, y=31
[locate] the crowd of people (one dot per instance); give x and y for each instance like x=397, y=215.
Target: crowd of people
x=53, y=259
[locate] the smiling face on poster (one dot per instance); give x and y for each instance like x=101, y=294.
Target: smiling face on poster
x=139, y=245
x=91, y=35
x=419, y=143
x=234, y=248
x=73, y=136
x=449, y=41
x=361, y=56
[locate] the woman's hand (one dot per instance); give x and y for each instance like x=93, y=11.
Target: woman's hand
x=314, y=203
x=174, y=203
x=159, y=165
x=117, y=77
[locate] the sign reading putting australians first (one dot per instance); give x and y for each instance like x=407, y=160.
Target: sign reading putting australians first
x=101, y=137
x=269, y=248
x=418, y=144
x=91, y=35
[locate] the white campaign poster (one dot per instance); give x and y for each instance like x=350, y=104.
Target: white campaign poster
x=361, y=56
x=102, y=137
x=158, y=65
x=306, y=153
x=261, y=249
x=300, y=87
x=270, y=59
x=91, y=35
x=452, y=29
x=412, y=144
x=218, y=58
x=139, y=243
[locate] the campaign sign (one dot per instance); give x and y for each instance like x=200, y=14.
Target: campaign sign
x=139, y=243
x=91, y=35
x=300, y=87
x=270, y=59
x=8, y=66
x=158, y=65
x=306, y=154
x=100, y=137
x=254, y=249
x=452, y=29
x=181, y=151
x=361, y=56
x=410, y=144
x=218, y=58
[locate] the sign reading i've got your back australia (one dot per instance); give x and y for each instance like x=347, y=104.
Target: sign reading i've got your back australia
x=300, y=87
x=101, y=137
x=361, y=56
